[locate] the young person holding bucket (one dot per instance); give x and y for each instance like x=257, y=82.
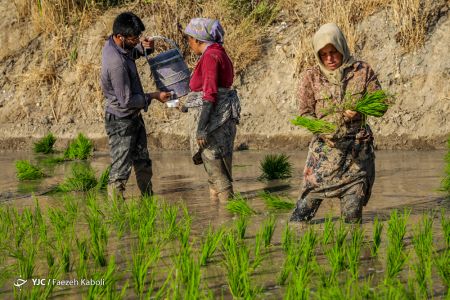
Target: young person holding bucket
x=214, y=106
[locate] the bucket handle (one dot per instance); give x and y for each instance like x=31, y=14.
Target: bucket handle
x=167, y=40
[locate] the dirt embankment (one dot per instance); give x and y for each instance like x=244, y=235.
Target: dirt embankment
x=420, y=118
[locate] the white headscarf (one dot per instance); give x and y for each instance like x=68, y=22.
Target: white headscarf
x=331, y=34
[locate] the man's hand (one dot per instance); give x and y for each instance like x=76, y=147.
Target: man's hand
x=160, y=96
x=201, y=141
x=164, y=96
x=147, y=42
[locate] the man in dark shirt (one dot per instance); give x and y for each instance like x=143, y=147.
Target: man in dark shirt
x=125, y=98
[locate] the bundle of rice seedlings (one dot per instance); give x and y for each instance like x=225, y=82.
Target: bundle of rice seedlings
x=373, y=104
x=275, y=202
x=45, y=145
x=79, y=148
x=275, y=166
x=28, y=171
x=240, y=206
x=316, y=126
x=82, y=179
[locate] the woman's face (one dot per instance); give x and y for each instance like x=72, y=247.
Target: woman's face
x=330, y=57
x=194, y=45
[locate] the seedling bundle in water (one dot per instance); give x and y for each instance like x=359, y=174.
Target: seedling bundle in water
x=275, y=166
x=28, y=171
x=275, y=202
x=240, y=206
x=316, y=126
x=79, y=148
x=45, y=145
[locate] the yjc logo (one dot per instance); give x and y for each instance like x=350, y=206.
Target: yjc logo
x=37, y=281
x=19, y=282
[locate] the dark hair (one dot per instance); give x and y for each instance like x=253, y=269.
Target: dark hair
x=128, y=24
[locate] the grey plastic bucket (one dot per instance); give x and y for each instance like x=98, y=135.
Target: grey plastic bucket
x=170, y=72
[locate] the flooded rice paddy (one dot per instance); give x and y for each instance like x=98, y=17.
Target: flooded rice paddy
x=151, y=248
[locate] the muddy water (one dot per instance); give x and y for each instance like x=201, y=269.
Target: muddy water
x=405, y=179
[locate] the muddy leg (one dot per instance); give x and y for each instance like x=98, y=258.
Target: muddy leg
x=218, y=178
x=306, y=208
x=116, y=189
x=352, y=203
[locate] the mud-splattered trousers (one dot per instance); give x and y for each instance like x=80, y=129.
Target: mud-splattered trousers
x=128, y=147
x=340, y=165
x=217, y=156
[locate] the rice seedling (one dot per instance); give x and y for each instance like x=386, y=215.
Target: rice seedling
x=423, y=246
x=377, y=230
x=102, y=182
x=192, y=285
x=45, y=145
x=107, y=289
x=396, y=256
x=27, y=171
x=337, y=252
x=82, y=179
x=268, y=230
x=241, y=226
x=119, y=216
x=142, y=260
x=287, y=238
x=240, y=206
x=25, y=260
x=299, y=255
x=98, y=231
x=316, y=126
x=83, y=255
x=258, y=257
x=445, y=224
x=80, y=148
x=275, y=166
x=275, y=202
x=354, y=250
x=298, y=286
x=373, y=104
x=442, y=263
x=209, y=245
x=237, y=264
x=170, y=214
x=328, y=230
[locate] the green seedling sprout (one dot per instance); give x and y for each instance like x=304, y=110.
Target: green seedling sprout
x=240, y=206
x=80, y=148
x=275, y=166
x=210, y=244
x=275, y=202
x=45, y=145
x=27, y=171
x=377, y=230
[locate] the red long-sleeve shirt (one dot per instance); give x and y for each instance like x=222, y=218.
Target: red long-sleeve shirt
x=213, y=70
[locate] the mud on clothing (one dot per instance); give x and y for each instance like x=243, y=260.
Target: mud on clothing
x=221, y=132
x=344, y=168
x=128, y=147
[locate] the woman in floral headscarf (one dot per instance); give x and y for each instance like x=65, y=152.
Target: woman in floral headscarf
x=339, y=165
x=214, y=106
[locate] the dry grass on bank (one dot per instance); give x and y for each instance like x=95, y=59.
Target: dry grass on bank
x=65, y=24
